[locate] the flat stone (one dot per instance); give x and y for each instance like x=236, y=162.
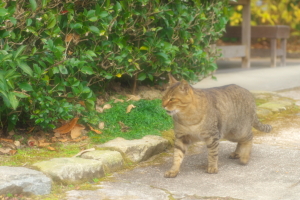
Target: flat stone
x=71, y=170
x=17, y=180
x=140, y=149
x=277, y=106
x=261, y=112
x=111, y=160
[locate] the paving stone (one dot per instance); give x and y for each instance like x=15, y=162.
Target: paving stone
x=17, y=180
x=71, y=170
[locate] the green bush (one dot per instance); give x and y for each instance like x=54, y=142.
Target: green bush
x=57, y=53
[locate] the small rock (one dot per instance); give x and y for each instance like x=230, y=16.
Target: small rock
x=17, y=180
x=111, y=160
x=140, y=149
x=71, y=170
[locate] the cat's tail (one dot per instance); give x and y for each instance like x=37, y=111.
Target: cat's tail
x=261, y=127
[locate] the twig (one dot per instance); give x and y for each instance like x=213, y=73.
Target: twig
x=84, y=151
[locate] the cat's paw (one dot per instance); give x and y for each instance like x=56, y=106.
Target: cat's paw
x=244, y=160
x=212, y=170
x=171, y=174
x=234, y=155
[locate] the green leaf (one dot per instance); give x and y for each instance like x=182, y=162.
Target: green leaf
x=163, y=55
x=44, y=3
x=94, y=29
x=142, y=76
x=144, y=48
x=25, y=86
x=87, y=70
x=28, y=22
x=63, y=69
x=19, y=51
x=103, y=14
x=33, y=4
x=108, y=76
x=3, y=12
x=21, y=94
x=13, y=100
x=52, y=23
x=25, y=68
x=13, y=20
x=76, y=25
x=93, y=19
x=91, y=53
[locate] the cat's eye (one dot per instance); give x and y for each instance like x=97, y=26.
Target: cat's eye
x=172, y=99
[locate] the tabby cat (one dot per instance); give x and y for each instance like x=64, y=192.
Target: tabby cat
x=208, y=115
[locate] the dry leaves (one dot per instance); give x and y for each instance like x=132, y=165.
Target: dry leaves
x=76, y=131
x=72, y=37
x=107, y=106
x=66, y=127
x=133, y=97
x=129, y=108
x=101, y=125
x=95, y=130
x=8, y=146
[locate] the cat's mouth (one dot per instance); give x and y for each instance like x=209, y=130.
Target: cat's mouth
x=171, y=112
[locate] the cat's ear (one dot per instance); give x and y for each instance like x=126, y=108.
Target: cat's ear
x=184, y=86
x=172, y=80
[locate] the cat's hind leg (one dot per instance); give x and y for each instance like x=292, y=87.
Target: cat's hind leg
x=243, y=150
x=180, y=148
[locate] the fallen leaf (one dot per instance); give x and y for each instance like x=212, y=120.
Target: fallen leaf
x=129, y=108
x=66, y=127
x=101, y=125
x=99, y=109
x=107, y=106
x=84, y=151
x=76, y=131
x=124, y=128
x=31, y=129
x=95, y=130
x=133, y=97
x=6, y=140
x=13, y=152
x=63, y=139
x=51, y=148
x=116, y=100
x=43, y=144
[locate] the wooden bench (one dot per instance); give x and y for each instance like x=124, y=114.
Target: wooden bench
x=274, y=33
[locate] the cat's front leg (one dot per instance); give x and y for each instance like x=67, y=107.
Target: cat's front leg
x=213, y=148
x=180, y=148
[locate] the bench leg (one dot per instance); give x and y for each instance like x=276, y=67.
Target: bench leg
x=283, y=56
x=273, y=52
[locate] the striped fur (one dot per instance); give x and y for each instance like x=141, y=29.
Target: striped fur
x=208, y=115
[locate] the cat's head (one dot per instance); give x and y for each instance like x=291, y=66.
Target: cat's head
x=177, y=97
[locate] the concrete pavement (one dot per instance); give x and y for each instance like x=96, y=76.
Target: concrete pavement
x=259, y=77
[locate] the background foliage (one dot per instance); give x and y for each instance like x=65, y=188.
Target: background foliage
x=55, y=55
x=272, y=12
